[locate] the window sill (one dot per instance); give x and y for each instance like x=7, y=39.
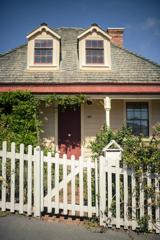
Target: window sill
x=42, y=67
x=95, y=67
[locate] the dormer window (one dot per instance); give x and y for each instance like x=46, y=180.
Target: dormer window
x=94, y=46
x=43, y=51
x=94, y=52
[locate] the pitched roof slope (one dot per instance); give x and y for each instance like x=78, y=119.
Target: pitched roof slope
x=127, y=67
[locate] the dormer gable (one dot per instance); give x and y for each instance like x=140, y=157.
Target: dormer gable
x=43, y=52
x=43, y=28
x=94, y=28
x=94, y=49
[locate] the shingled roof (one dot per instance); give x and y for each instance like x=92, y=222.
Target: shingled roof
x=127, y=67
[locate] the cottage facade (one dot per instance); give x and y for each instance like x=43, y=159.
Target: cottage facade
x=123, y=88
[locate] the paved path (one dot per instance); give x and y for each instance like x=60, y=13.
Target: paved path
x=16, y=227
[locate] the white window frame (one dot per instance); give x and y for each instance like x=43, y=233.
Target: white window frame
x=149, y=113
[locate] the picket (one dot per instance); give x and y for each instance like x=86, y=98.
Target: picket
x=13, y=177
x=42, y=179
x=49, y=187
x=89, y=187
x=133, y=195
x=81, y=203
x=125, y=189
x=21, y=178
x=4, y=161
x=57, y=184
x=117, y=197
x=65, y=184
x=157, y=214
x=73, y=184
x=29, y=181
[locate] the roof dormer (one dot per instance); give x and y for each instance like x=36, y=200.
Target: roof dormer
x=43, y=51
x=94, y=49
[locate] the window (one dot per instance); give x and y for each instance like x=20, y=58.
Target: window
x=94, y=52
x=138, y=117
x=43, y=51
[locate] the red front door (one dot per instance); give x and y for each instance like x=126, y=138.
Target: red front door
x=69, y=131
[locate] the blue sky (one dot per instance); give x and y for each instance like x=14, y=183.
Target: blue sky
x=140, y=18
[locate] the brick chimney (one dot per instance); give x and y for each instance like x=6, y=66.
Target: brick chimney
x=116, y=35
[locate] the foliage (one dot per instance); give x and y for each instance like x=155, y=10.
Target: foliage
x=143, y=223
x=156, y=129
x=72, y=101
x=136, y=152
x=19, y=118
x=4, y=214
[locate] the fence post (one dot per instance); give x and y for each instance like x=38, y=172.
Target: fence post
x=108, y=165
x=102, y=190
x=37, y=182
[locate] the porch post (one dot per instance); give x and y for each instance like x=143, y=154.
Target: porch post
x=107, y=107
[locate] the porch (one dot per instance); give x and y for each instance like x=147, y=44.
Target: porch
x=114, y=110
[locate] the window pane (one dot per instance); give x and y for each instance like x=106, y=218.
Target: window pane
x=144, y=114
x=100, y=44
x=130, y=115
x=43, y=51
x=37, y=59
x=94, y=44
x=49, y=59
x=88, y=43
x=37, y=43
x=138, y=118
x=137, y=114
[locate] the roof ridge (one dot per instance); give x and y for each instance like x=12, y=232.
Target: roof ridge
x=137, y=55
x=13, y=49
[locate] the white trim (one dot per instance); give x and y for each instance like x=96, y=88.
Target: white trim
x=96, y=29
x=56, y=126
x=115, y=29
x=149, y=112
x=42, y=28
x=82, y=130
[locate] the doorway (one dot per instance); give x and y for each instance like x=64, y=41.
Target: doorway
x=69, y=131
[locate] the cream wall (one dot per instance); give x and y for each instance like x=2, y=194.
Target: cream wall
x=94, y=117
x=117, y=114
x=47, y=116
x=155, y=112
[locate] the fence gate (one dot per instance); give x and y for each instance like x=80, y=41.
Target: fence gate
x=71, y=186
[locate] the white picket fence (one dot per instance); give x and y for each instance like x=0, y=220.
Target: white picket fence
x=123, y=196
x=35, y=182
x=32, y=182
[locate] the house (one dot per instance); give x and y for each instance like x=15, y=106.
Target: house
x=123, y=88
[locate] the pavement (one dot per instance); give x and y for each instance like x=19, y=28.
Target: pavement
x=18, y=227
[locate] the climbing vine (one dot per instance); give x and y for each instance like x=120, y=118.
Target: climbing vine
x=72, y=101
x=19, y=118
